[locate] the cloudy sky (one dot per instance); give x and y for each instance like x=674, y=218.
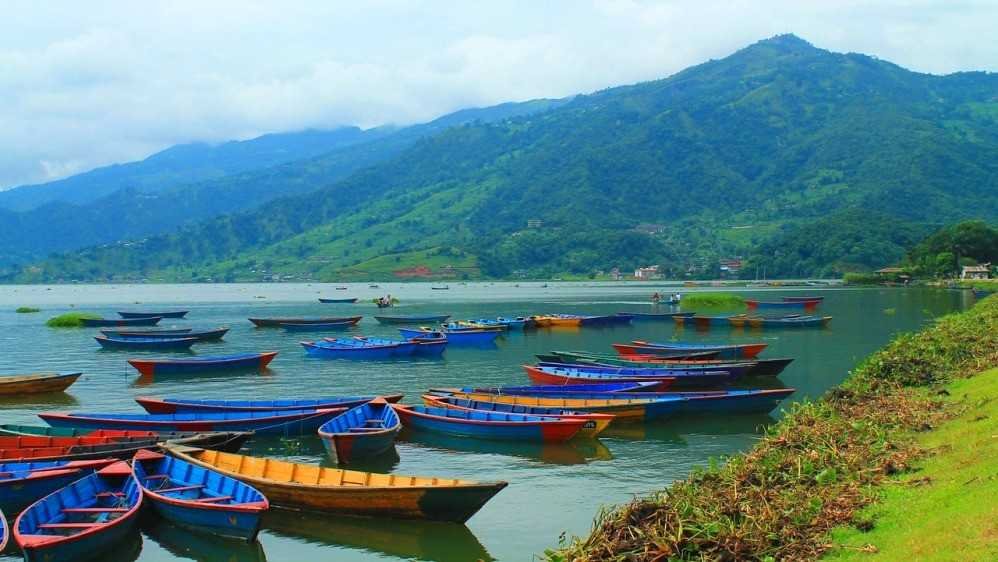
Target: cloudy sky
x=84, y=84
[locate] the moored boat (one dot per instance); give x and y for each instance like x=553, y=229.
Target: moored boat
x=782, y=305
x=554, y=388
x=83, y=520
x=702, y=321
x=595, y=423
x=278, y=422
x=666, y=378
x=24, y=483
x=769, y=367
x=157, y=343
x=744, y=321
x=276, y=322
x=413, y=319
x=36, y=383
x=804, y=299
x=4, y=532
x=150, y=314
x=153, y=367
x=724, y=351
x=200, y=335
x=180, y=405
x=199, y=498
x=358, y=348
x=112, y=322
x=105, y=443
x=488, y=425
x=364, y=431
x=349, y=492
x=316, y=326
x=472, y=336
x=338, y=301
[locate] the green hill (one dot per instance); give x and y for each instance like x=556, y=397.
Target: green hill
x=724, y=158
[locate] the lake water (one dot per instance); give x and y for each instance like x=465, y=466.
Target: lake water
x=553, y=489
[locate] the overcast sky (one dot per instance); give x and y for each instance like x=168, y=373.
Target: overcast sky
x=84, y=84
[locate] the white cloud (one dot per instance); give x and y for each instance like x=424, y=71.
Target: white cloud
x=86, y=84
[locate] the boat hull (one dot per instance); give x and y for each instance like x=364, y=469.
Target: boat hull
x=169, y=314
x=276, y=322
x=367, y=430
x=285, y=422
x=175, y=344
x=36, y=383
x=179, y=405
x=110, y=323
x=157, y=367
x=429, y=319
x=549, y=430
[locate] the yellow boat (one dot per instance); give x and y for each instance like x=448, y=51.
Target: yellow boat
x=36, y=383
x=556, y=321
x=348, y=492
x=623, y=409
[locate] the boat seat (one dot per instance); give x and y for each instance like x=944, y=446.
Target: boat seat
x=156, y=476
x=364, y=429
x=213, y=499
x=179, y=489
x=95, y=510
x=68, y=525
x=110, y=494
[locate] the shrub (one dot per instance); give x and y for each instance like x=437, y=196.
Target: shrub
x=27, y=310
x=712, y=300
x=70, y=320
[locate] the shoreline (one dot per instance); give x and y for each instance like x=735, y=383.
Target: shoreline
x=814, y=470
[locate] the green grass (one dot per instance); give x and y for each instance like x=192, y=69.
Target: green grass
x=947, y=509
x=70, y=319
x=712, y=300
x=27, y=310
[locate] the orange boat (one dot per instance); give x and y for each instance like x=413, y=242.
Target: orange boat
x=36, y=383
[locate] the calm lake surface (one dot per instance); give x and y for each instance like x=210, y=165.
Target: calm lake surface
x=553, y=489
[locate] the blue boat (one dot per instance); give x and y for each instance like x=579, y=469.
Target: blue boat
x=734, y=369
x=140, y=314
x=457, y=337
x=200, y=335
x=365, y=431
x=180, y=405
x=489, y=425
x=430, y=344
x=316, y=326
x=199, y=498
x=518, y=323
x=167, y=343
x=4, y=532
x=724, y=351
x=581, y=374
x=84, y=520
x=153, y=367
x=24, y=483
x=595, y=423
x=359, y=348
x=413, y=319
x=609, y=388
x=338, y=301
x=278, y=422
x=646, y=316
x=107, y=323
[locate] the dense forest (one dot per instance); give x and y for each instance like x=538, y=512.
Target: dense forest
x=802, y=161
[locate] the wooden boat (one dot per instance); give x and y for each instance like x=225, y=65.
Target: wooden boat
x=782, y=305
x=103, y=444
x=540, y=321
x=702, y=322
x=518, y=323
x=105, y=322
x=429, y=344
x=413, y=319
x=577, y=374
x=564, y=321
x=457, y=337
x=587, y=356
x=278, y=422
x=358, y=348
x=650, y=405
x=595, y=423
x=608, y=388
x=4, y=532
x=639, y=316
x=488, y=425
x=338, y=301
x=724, y=351
x=166, y=314
x=276, y=322
x=153, y=367
x=200, y=335
x=804, y=299
x=158, y=343
x=744, y=321
x=84, y=520
x=443, y=288
x=348, y=492
x=180, y=405
x=36, y=383
x=24, y=483
x=760, y=367
x=199, y=498
x=364, y=431
x=606, y=319
x=224, y=440
x=316, y=326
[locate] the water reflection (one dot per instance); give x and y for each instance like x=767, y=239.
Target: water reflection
x=29, y=401
x=415, y=540
x=577, y=451
x=203, y=376
x=203, y=547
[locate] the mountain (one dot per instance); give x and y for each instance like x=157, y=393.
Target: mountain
x=716, y=161
x=166, y=191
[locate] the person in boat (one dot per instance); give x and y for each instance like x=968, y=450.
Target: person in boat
x=656, y=298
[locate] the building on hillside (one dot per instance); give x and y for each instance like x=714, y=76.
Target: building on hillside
x=650, y=228
x=650, y=272
x=615, y=274
x=973, y=272
x=730, y=266
x=534, y=223
x=889, y=271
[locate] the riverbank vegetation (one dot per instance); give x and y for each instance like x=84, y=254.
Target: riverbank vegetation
x=816, y=469
x=70, y=319
x=27, y=309
x=712, y=300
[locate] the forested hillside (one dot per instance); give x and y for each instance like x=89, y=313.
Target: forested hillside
x=754, y=155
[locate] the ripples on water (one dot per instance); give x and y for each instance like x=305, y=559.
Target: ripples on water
x=553, y=488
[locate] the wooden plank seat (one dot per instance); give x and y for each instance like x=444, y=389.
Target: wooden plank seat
x=110, y=494
x=365, y=429
x=156, y=476
x=69, y=525
x=95, y=510
x=213, y=499
x=179, y=489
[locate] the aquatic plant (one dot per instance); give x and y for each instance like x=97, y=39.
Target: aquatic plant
x=712, y=300
x=70, y=319
x=27, y=309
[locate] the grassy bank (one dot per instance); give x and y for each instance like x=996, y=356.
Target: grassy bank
x=816, y=469
x=712, y=300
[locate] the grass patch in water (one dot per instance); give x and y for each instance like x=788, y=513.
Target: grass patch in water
x=70, y=319
x=712, y=300
x=27, y=309
x=815, y=470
